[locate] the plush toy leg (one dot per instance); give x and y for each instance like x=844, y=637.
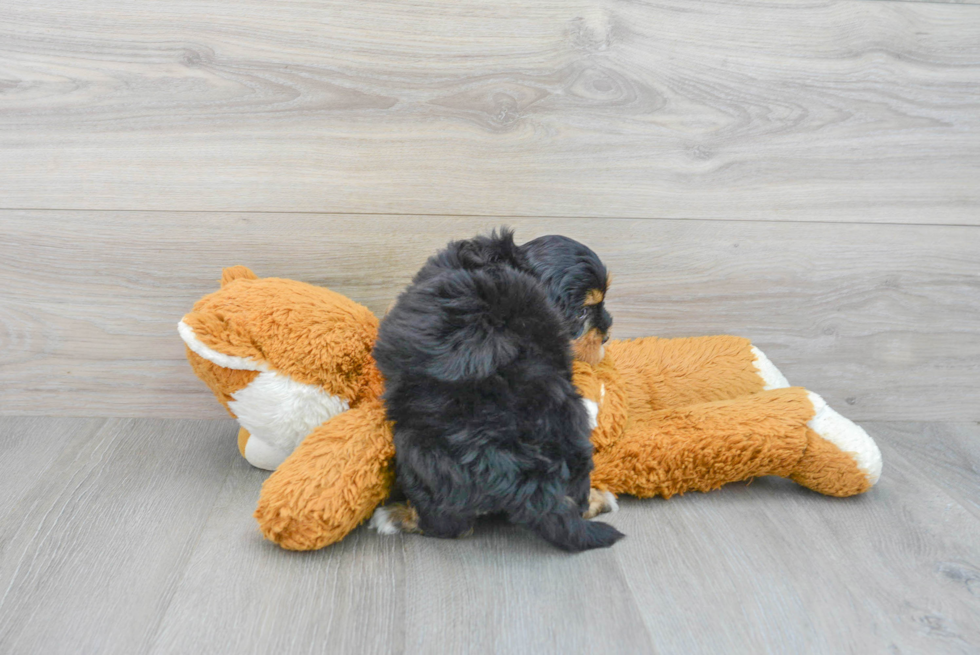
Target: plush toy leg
x=331, y=483
x=686, y=371
x=702, y=447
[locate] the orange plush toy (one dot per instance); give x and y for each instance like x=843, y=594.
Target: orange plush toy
x=292, y=362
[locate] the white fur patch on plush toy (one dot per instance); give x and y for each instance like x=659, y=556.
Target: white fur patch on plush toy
x=846, y=435
x=771, y=376
x=593, y=409
x=279, y=412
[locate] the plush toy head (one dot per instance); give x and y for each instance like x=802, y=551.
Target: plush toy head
x=282, y=357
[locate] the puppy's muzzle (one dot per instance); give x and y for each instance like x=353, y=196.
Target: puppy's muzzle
x=588, y=347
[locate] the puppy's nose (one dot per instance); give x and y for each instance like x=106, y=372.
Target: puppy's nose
x=605, y=337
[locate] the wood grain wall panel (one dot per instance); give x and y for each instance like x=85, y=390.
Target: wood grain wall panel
x=835, y=110
x=882, y=320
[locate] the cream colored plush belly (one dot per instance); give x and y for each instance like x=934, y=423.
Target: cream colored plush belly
x=279, y=412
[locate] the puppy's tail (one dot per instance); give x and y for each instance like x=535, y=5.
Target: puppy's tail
x=566, y=529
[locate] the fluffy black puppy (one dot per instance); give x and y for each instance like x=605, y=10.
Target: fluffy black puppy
x=477, y=363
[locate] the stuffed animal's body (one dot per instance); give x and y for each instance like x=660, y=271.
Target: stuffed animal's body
x=292, y=362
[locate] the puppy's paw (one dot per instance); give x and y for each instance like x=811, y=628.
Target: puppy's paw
x=392, y=519
x=600, y=502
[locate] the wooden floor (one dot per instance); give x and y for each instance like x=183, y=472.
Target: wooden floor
x=135, y=536
x=805, y=174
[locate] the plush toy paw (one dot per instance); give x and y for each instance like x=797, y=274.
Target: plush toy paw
x=840, y=458
x=600, y=502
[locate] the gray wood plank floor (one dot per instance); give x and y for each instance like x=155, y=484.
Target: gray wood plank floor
x=840, y=110
x=136, y=536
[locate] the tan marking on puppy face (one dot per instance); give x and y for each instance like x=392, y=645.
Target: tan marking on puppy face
x=588, y=347
x=594, y=297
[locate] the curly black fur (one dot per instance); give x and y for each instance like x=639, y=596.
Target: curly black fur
x=477, y=365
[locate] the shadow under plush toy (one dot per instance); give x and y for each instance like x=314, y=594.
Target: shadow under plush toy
x=292, y=362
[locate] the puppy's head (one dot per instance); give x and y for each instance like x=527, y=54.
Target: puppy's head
x=577, y=281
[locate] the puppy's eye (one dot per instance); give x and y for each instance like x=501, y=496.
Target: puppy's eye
x=584, y=314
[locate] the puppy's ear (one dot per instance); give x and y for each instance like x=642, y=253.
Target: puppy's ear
x=463, y=325
x=472, y=353
x=480, y=315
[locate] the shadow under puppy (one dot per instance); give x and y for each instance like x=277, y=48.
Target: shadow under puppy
x=476, y=355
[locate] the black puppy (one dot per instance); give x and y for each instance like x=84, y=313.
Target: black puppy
x=476, y=355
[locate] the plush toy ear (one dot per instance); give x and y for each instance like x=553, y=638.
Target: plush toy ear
x=212, y=332
x=232, y=273
x=216, y=337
